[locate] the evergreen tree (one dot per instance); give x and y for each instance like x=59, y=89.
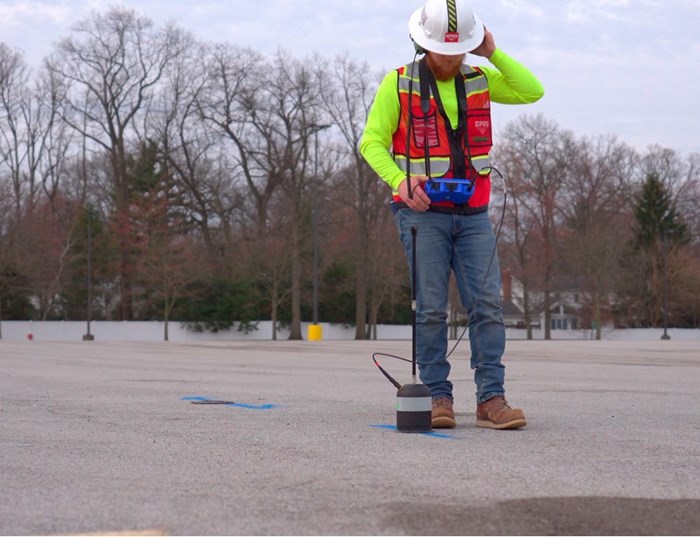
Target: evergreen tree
x=656, y=215
x=659, y=229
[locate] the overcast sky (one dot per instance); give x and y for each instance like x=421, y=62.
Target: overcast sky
x=625, y=67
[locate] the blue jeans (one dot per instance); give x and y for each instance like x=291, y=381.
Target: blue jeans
x=463, y=244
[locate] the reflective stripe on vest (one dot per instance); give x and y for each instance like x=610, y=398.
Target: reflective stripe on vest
x=439, y=166
x=434, y=131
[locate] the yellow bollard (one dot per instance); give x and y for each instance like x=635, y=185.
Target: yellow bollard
x=315, y=332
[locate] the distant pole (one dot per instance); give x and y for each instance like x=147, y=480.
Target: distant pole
x=315, y=331
x=314, y=226
x=665, y=263
x=89, y=336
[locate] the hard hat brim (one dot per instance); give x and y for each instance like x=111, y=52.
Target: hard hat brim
x=415, y=29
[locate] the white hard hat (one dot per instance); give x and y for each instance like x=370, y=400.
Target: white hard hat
x=447, y=27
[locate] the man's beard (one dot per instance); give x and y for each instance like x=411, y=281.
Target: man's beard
x=442, y=73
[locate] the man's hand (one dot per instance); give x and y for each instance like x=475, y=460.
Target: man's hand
x=420, y=201
x=487, y=47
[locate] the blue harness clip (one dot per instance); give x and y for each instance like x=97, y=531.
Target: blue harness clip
x=458, y=191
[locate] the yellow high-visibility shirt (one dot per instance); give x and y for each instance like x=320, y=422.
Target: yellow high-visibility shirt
x=509, y=83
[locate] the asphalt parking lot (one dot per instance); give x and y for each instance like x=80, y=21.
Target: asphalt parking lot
x=101, y=437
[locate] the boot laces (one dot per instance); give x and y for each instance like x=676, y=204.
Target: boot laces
x=442, y=402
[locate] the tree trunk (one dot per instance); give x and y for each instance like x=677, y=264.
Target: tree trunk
x=295, y=328
x=273, y=311
x=547, y=314
x=598, y=320
x=361, y=302
x=527, y=313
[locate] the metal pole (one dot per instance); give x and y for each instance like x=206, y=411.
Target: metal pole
x=89, y=336
x=315, y=329
x=665, y=260
x=314, y=225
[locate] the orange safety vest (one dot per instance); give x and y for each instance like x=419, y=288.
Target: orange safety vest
x=472, y=138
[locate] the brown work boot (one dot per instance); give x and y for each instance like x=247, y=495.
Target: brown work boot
x=496, y=414
x=443, y=415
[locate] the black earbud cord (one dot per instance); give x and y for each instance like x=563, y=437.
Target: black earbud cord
x=490, y=169
x=476, y=300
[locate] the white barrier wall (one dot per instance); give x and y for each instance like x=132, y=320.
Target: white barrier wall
x=154, y=331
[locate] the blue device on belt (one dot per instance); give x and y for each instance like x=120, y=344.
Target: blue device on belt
x=458, y=191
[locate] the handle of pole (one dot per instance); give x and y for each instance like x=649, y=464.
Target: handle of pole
x=414, y=233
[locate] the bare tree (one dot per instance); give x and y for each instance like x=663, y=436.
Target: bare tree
x=234, y=104
x=57, y=140
x=112, y=63
x=596, y=217
x=45, y=240
x=267, y=111
x=292, y=104
x=539, y=154
x=194, y=151
x=270, y=259
x=7, y=251
x=170, y=258
x=21, y=130
x=33, y=152
x=347, y=89
x=515, y=247
x=229, y=103
x=387, y=259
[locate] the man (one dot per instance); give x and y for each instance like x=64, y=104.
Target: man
x=431, y=118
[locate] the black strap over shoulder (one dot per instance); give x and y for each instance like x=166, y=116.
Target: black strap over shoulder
x=425, y=76
x=408, y=132
x=456, y=136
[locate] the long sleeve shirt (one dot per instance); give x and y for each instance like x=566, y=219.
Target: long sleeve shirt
x=509, y=82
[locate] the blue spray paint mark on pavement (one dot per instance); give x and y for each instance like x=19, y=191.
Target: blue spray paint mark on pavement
x=393, y=428
x=266, y=406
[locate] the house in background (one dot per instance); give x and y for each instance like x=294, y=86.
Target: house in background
x=567, y=309
x=512, y=301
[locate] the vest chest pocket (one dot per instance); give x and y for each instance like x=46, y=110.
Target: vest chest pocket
x=479, y=128
x=425, y=128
